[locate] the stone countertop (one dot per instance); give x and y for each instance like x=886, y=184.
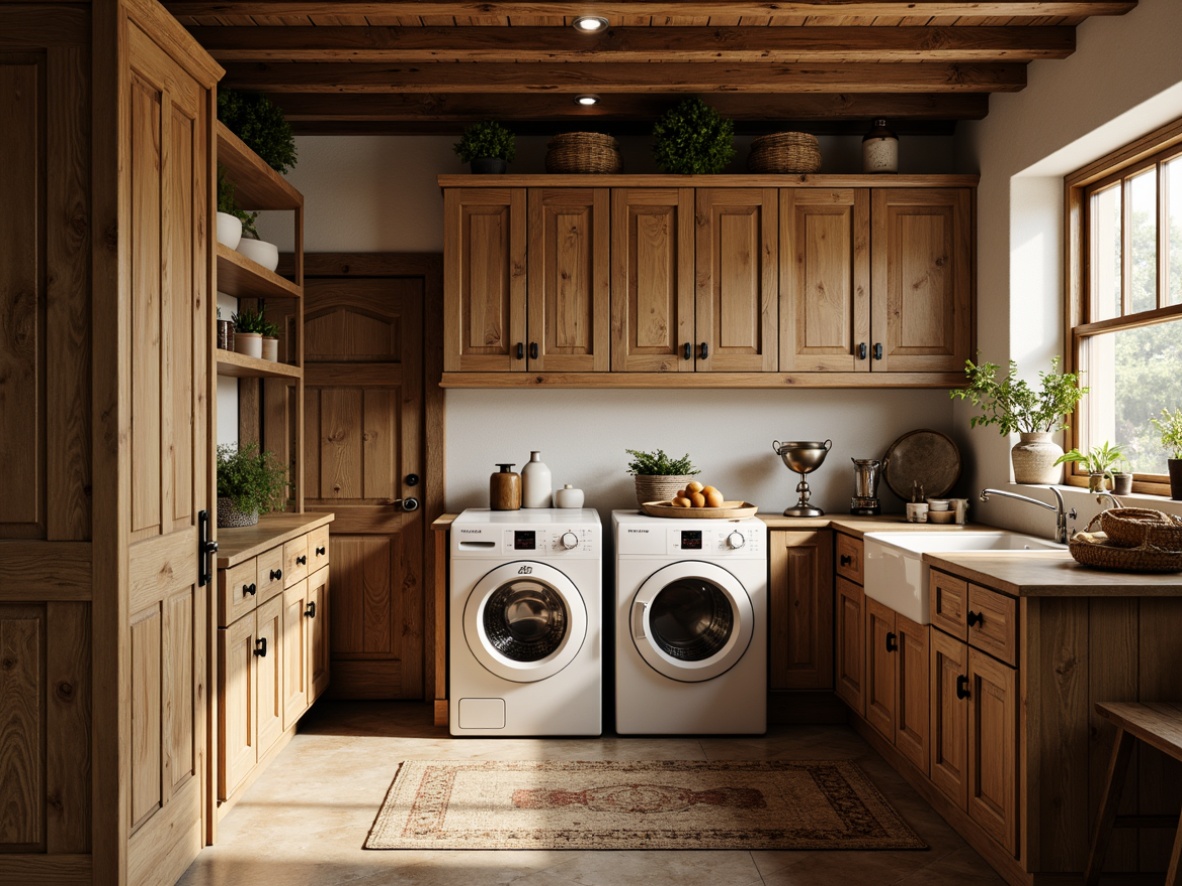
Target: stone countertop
x=1051, y=574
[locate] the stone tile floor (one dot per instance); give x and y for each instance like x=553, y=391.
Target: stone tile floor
x=303, y=822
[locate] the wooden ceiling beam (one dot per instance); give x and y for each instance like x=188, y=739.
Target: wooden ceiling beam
x=621, y=8
x=691, y=44
x=628, y=77
x=619, y=128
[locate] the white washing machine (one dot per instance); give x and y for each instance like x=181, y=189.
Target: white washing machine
x=525, y=626
x=691, y=625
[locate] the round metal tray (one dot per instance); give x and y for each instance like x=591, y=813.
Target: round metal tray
x=926, y=457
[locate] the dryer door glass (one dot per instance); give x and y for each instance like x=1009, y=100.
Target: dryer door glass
x=525, y=620
x=691, y=619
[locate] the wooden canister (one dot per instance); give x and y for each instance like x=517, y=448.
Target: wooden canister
x=504, y=489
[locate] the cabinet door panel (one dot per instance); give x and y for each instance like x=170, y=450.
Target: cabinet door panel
x=295, y=653
x=912, y=709
x=484, y=282
x=801, y=610
x=949, y=603
x=317, y=615
x=569, y=279
x=850, y=673
x=236, y=704
x=737, y=296
x=824, y=280
x=269, y=663
x=880, y=668
x=652, y=279
x=922, y=278
x=993, y=748
x=950, y=716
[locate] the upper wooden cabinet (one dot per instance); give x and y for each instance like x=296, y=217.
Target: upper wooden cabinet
x=721, y=281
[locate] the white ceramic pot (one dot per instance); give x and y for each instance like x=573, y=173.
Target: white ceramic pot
x=535, y=483
x=1034, y=459
x=568, y=497
x=260, y=251
x=270, y=348
x=229, y=230
x=249, y=344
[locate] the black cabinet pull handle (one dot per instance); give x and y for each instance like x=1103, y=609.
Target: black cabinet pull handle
x=976, y=618
x=249, y=589
x=260, y=647
x=520, y=351
x=302, y=560
x=687, y=351
x=276, y=574
x=533, y=350
x=311, y=610
x=703, y=351
x=320, y=552
x=206, y=548
x=962, y=686
x=846, y=560
x=892, y=642
x=878, y=350
x=861, y=350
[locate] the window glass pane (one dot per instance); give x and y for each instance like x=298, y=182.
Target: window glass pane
x=1143, y=241
x=1104, y=219
x=1173, y=198
x=1133, y=374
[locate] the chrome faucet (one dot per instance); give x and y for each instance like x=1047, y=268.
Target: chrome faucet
x=1112, y=498
x=1062, y=515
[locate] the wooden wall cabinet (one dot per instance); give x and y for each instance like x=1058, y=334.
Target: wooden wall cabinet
x=800, y=597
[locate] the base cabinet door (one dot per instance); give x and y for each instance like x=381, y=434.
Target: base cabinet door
x=295, y=652
x=801, y=610
x=236, y=704
x=316, y=615
x=882, y=642
x=993, y=748
x=268, y=662
x=914, y=691
x=950, y=717
x=850, y=652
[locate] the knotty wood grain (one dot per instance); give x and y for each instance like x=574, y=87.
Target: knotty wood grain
x=68, y=706
x=22, y=729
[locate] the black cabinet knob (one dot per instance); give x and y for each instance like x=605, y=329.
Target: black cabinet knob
x=533, y=350
x=861, y=350
x=687, y=351
x=310, y=611
x=976, y=618
x=320, y=552
x=878, y=350
x=249, y=590
x=962, y=687
x=302, y=560
x=276, y=574
x=520, y=351
x=703, y=351
x=846, y=560
x=260, y=647
x=892, y=642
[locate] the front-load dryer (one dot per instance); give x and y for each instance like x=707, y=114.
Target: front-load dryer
x=525, y=623
x=691, y=625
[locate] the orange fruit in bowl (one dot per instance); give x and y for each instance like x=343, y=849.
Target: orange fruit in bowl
x=697, y=500
x=680, y=502
x=713, y=498
x=695, y=486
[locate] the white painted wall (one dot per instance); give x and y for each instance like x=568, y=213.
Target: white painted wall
x=1124, y=80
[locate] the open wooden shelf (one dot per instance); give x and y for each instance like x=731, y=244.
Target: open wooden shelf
x=241, y=277
x=256, y=185
x=238, y=365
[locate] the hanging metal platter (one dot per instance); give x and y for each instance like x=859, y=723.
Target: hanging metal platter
x=924, y=457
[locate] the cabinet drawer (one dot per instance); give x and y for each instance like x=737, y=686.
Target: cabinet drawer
x=949, y=601
x=849, y=557
x=271, y=573
x=992, y=623
x=238, y=592
x=317, y=548
x=295, y=561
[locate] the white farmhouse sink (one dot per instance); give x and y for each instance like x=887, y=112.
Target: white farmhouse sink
x=894, y=573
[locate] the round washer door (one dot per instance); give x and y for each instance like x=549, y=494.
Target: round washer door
x=525, y=621
x=692, y=621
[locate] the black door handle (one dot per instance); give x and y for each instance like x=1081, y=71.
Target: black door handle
x=846, y=559
x=878, y=350
x=260, y=647
x=892, y=643
x=703, y=351
x=311, y=610
x=861, y=350
x=533, y=350
x=206, y=548
x=687, y=351
x=962, y=686
x=976, y=618
x=520, y=351
x=276, y=574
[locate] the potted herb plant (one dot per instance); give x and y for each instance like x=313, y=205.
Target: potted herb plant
x=693, y=139
x=1170, y=428
x=249, y=326
x=1098, y=462
x=1122, y=477
x=488, y=147
x=251, y=481
x=270, y=341
x=1016, y=407
x=658, y=477
x=261, y=126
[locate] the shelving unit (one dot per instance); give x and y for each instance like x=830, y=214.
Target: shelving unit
x=270, y=394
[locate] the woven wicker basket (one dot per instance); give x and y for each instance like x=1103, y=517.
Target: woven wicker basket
x=1099, y=552
x=659, y=487
x=1130, y=527
x=583, y=152
x=785, y=152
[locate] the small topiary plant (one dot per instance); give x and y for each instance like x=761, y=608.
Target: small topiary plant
x=261, y=125
x=489, y=139
x=693, y=139
x=659, y=464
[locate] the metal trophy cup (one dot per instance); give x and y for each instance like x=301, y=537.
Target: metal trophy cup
x=803, y=458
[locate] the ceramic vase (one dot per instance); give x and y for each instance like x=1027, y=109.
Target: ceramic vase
x=229, y=229
x=270, y=348
x=249, y=344
x=1034, y=459
x=535, y=483
x=568, y=497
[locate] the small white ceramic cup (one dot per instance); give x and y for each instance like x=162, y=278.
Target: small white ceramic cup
x=939, y=504
x=917, y=512
x=961, y=507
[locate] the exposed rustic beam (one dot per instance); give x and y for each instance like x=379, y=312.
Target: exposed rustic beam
x=621, y=8
x=620, y=128
x=766, y=110
x=533, y=44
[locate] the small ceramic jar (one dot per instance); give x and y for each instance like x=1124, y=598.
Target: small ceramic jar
x=568, y=497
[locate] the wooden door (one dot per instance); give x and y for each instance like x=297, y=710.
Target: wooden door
x=316, y=613
x=269, y=665
x=801, y=610
x=237, y=704
x=166, y=145
x=993, y=748
x=881, y=647
x=295, y=653
x=569, y=290
x=363, y=413
x=652, y=280
x=922, y=279
x=737, y=324
x=484, y=251
x=913, y=704
x=950, y=717
x=824, y=280
x=850, y=632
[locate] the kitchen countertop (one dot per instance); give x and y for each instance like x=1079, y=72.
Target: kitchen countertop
x=1051, y=574
x=859, y=526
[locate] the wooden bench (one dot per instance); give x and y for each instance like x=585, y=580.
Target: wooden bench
x=1158, y=725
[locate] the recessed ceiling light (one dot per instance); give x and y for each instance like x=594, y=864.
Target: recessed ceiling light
x=590, y=24
x=587, y=100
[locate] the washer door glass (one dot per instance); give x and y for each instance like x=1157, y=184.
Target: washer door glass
x=692, y=621
x=525, y=621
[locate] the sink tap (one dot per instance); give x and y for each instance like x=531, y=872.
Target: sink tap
x=1062, y=515
x=1116, y=503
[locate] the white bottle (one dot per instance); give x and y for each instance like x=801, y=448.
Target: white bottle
x=535, y=483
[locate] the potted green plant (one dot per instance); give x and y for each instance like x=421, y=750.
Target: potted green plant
x=1014, y=406
x=658, y=477
x=488, y=147
x=1097, y=461
x=693, y=139
x=251, y=481
x=1170, y=428
x=270, y=341
x=249, y=326
x=261, y=126
x=1122, y=477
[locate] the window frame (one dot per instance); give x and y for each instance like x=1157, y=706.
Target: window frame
x=1156, y=147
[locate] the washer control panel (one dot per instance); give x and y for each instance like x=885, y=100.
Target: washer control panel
x=526, y=541
x=702, y=540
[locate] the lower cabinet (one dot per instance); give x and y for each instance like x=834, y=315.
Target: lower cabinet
x=305, y=645
x=849, y=671
x=800, y=603
x=897, y=686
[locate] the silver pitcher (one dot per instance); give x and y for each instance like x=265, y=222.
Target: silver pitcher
x=866, y=475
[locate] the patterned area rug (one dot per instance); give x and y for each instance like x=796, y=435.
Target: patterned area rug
x=672, y=804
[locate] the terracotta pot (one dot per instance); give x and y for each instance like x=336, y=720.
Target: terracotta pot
x=1097, y=482
x=1175, y=468
x=1034, y=458
x=659, y=487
